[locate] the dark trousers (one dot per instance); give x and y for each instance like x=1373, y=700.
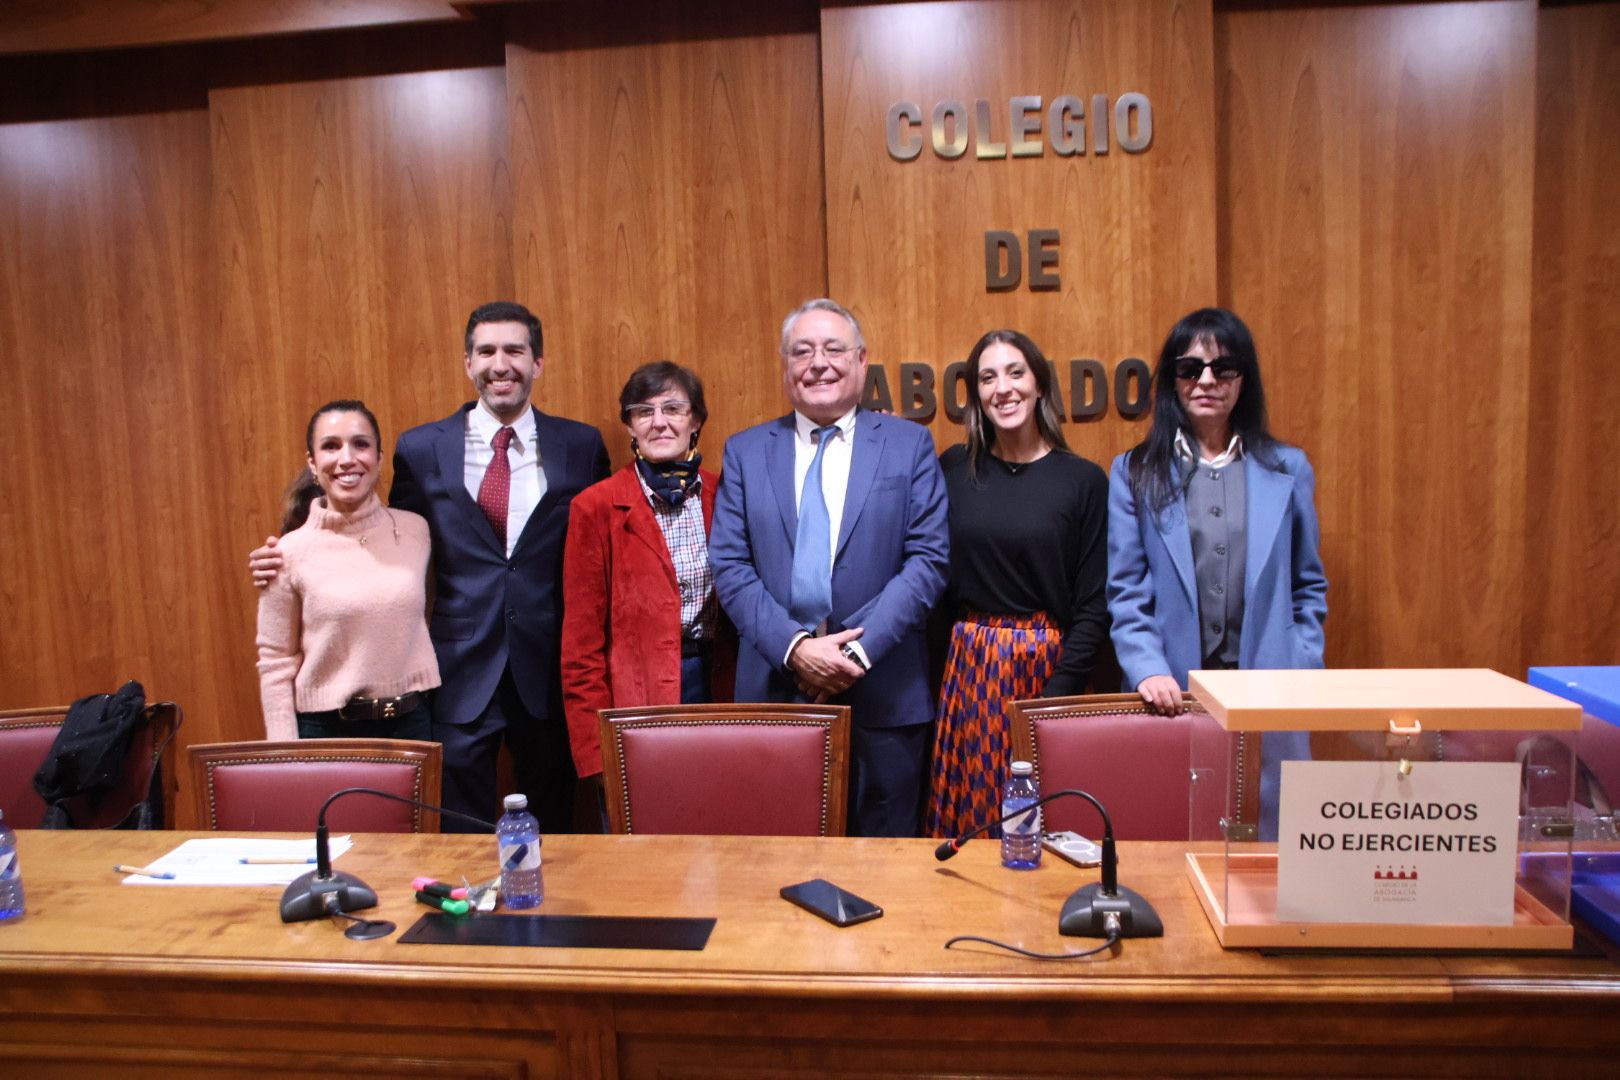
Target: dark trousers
x=887, y=769
x=416, y=724
x=695, y=680
x=543, y=763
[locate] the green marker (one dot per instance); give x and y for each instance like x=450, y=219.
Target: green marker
x=452, y=907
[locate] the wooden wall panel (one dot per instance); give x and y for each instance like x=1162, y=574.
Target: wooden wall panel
x=905, y=240
x=1426, y=247
x=62, y=25
x=1376, y=227
x=668, y=199
x=1572, y=571
x=113, y=449
x=356, y=223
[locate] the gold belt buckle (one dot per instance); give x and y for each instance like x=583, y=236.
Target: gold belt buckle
x=388, y=710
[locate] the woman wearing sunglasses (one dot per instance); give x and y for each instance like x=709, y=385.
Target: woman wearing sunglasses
x=641, y=625
x=1212, y=534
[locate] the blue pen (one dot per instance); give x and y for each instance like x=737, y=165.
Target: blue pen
x=274, y=860
x=143, y=872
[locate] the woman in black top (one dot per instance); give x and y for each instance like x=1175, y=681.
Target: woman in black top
x=1029, y=525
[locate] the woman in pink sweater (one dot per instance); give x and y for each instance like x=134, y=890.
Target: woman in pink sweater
x=343, y=639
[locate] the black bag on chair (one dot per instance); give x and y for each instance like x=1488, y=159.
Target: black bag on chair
x=88, y=755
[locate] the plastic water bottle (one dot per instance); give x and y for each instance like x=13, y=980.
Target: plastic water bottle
x=11, y=890
x=519, y=836
x=1021, y=836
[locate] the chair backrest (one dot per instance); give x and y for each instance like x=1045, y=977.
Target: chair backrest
x=280, y=786
x=1135, y=762
x=148, y=779
x=25, y=738
x=736, y=770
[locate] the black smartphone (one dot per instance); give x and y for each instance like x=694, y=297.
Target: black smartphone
x=837, y=906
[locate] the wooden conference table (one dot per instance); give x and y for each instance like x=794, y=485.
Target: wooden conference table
x=102, y=978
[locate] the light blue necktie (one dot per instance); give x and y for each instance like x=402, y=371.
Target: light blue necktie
x=812, y=546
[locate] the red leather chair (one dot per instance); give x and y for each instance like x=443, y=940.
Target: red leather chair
x=1136, y=763
x=149, y=777
x=280, y=786
x=25, y=738
x=727, y=770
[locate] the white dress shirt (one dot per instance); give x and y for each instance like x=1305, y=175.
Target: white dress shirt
x=834, y=469
x=1193, y=455
x=528, y=475
x=834, y=488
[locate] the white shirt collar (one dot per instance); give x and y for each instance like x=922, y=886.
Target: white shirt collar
x=484, y=425
x=1186, y=451
x=845, y=424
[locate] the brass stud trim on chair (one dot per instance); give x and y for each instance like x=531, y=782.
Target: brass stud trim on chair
x=364, y=759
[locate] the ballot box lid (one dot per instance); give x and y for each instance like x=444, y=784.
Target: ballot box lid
x=1367, y=699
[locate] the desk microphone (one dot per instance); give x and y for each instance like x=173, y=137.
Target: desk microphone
x=324, y=891
x=1099, y=909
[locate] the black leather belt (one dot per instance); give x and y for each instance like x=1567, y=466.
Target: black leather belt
x=691, y=647
x=386, y=708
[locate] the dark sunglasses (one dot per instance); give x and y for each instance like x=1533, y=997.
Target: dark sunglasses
x=1192, y=368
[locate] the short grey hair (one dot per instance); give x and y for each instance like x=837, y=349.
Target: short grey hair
x=822, y=304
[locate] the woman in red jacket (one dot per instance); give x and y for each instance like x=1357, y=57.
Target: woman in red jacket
x=641, y=625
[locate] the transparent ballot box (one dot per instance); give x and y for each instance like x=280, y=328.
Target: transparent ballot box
x=1389, y=808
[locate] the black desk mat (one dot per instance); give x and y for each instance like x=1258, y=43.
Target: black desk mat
x=560, y=931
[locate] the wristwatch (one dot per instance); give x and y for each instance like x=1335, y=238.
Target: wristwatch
x=853, y=654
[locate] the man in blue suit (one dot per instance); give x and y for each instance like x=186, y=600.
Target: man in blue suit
x=829, y=547
x=494, y=481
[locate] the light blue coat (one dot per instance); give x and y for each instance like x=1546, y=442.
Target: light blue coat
x=1153, y=590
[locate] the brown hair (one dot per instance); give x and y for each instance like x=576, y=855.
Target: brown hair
x=305, y=489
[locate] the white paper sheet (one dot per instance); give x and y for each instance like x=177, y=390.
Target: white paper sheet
x=218, y=861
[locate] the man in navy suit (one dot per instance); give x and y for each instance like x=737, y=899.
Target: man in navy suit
x=829, y=547
x=494, y=481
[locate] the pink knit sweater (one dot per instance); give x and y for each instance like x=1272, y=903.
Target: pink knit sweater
x=346, y=616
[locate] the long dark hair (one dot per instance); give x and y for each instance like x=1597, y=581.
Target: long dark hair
x=981, y=433
x=304, y=489
x=1156, y=480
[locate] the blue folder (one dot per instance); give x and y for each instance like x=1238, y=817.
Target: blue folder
x=1595, y=889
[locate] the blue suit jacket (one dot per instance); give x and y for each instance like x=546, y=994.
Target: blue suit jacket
x=488, y=608
x=889, y=565
x=1153, y=592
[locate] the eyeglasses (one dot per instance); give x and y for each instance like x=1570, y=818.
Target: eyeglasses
x=1192, y=368
x=674, y=410
x=804, y=351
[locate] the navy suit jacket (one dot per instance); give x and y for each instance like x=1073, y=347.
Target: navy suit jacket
x=889, y=564
x=1153, y=588
x=488, y=609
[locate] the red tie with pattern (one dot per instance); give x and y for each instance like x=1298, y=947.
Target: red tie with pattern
x=496, y=490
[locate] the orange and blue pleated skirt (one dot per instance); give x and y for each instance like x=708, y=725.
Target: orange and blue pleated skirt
x=993, y=660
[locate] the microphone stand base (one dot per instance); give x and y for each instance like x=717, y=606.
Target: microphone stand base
x=1085, y=913
x=315, y=897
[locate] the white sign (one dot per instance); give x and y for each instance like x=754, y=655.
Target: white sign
x=1360, y=843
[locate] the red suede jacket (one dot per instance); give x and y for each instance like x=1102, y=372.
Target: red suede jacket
x=621, y=641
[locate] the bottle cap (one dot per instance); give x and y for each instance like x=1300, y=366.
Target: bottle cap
x=1022, y=768
x=518, y=801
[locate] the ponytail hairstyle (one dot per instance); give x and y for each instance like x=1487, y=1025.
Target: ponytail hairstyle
x=305, y=489
x=296, y=499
